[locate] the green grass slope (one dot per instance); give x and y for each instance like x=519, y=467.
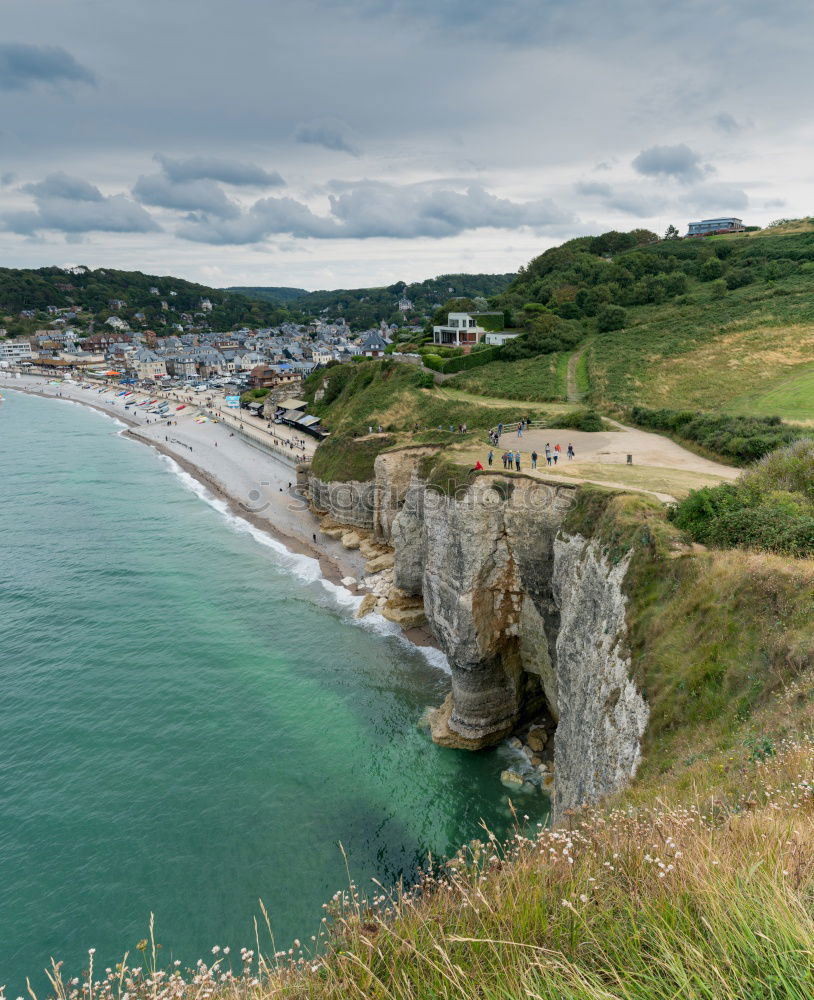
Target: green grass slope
x=351, y=398
x=717, y=323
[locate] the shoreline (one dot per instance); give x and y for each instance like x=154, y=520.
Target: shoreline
x=233, y=476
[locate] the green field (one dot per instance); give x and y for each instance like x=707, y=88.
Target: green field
x=537, y=380
x=791, y=398
x=706, y=351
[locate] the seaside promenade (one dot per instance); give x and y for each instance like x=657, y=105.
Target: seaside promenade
x=246, y=468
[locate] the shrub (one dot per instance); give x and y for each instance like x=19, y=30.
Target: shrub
x=610, y=318
x=474, y=360
x=739, y=439
x=434, y=361
x=711, y=269
x=770, y=507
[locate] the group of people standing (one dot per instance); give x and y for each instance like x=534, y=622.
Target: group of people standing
x=512, y=458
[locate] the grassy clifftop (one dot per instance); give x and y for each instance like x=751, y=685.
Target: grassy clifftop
x=715, y=636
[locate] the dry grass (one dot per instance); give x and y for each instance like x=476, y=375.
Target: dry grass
x=743, y=362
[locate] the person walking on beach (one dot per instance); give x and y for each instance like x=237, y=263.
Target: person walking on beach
x=534, y=460
x=570, y=451
x=499, y=430
x=520, y=429
x=548, y=453
x=517, y=459
x=490, y=456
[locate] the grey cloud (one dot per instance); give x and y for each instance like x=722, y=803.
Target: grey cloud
x=726, y=122
x=593, y=189
x=209, y=168
x=8, y=178
x=378, y=209
x=375, y=209
x=185, y=196
x=71, y=205
x=679, y=162
x=23, y=66
x=267, y=217
x=62, y=185
x=330, y=135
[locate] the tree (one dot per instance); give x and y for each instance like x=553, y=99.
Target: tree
x=672, y=233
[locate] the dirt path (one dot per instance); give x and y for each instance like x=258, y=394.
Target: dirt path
x=572, y=393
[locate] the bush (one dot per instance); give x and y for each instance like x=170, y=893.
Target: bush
x=610, y=318
x=581, y=420
x=434, y=361
x=739, y=439
x=474, y=360
x=770, y=507
x=711, y=269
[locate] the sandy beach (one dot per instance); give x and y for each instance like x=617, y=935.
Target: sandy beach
x=257, y=485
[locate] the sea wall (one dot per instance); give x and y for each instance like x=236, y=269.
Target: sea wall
x=530, y=615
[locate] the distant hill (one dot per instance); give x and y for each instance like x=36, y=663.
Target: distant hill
x=279, y=295
x=98, y=294
x=716, y=323
x=366, y=307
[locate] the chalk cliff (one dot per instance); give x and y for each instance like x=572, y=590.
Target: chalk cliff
x=530, y=616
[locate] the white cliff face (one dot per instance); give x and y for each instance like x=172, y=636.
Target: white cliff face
x=532, y=620
x=602, y=719
x=487, y=559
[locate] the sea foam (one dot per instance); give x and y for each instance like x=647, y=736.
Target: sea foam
x=306, y=569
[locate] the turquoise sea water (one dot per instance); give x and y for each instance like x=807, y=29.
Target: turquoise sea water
x=190, y=720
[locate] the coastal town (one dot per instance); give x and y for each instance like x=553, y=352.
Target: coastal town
x=259, y=357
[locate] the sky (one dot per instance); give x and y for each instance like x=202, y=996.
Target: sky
x=348, y=143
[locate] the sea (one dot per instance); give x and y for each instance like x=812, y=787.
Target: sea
x=191, y=718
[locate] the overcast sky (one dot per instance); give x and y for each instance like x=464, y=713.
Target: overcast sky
x=326, y=143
